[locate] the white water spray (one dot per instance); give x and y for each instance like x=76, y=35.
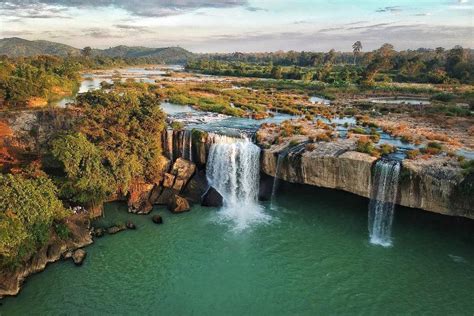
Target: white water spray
x=233, y=170
x=382, y=203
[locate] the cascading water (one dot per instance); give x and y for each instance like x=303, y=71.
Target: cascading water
x=382, y=203
x=233, y=170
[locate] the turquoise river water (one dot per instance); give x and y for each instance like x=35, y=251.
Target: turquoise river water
x=312, y=257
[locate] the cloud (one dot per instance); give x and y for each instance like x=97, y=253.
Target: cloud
x=15, y=33
x=133, y=28
x=393, y=9
x=145, y=8
x=372, y=37
x=101, y=33
x=369, y=27
x=32, y=10
x=254, y=9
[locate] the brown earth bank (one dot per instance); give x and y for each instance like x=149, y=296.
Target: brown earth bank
x=55, y=249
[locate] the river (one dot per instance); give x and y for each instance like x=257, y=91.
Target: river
x=312, y=257
x=307, y=252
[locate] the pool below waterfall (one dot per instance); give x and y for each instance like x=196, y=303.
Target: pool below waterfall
x=311, y=255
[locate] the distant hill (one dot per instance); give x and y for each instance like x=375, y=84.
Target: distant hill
x=18, y=47
x=167, y=54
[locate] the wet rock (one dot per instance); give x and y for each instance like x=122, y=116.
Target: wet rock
x=157, y=219
x=130, y=225
x=212, y=198
x=179, y=205
x=166, y=197
x=67, y=254
x=116, y=229
x=196, y=188
x=98, y=232
x=155, y=194
x=78, y=256
x=266, y=187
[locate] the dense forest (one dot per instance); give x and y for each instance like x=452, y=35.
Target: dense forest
x=384, y=64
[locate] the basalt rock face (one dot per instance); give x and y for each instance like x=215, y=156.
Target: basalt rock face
x=330, y=165
x=434, y=185
x=55, y=249
x=438, y=186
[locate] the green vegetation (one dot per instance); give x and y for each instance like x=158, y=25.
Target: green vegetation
x=341, y=69
x=365, y=145
x=86, y=180
x=126, y=129
x=43, y=77
x=28, y=208
x=114, y=142
x=17, y=47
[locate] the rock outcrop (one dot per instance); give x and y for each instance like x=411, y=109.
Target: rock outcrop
x=79, y=256
x=433, y=185
x=55, y=249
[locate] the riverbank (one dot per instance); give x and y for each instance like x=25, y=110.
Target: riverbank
x=78, y=227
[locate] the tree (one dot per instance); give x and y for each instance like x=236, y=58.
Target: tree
x=86, y=51
x=330, y=57
x=356, y=48
x=276, y=72
x=86, y=179
x=455, y=58
x=382, y=60
x=28, y=207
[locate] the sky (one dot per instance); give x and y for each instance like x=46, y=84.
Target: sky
x=242, y=25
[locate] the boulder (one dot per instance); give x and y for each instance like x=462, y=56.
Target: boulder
x=78, y=256
x=155, y=194
x=169, y=180
x=183, y=170
x=178, y=185
x=138, y=200
x=67, y=254
x=212, y=198
x=157, y=219
x=130, y=225
x=116, y=229
x=196, y=188
x=98, y=232
x=166, y=197
x=179, y=205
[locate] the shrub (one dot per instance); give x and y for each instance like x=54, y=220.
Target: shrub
x=386, y=149
x=412, y=154
x=364, y=145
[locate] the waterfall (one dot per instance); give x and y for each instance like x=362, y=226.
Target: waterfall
x=233, y=169
x=382, y=202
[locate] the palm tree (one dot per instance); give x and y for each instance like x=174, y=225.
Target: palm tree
x=356, y=48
